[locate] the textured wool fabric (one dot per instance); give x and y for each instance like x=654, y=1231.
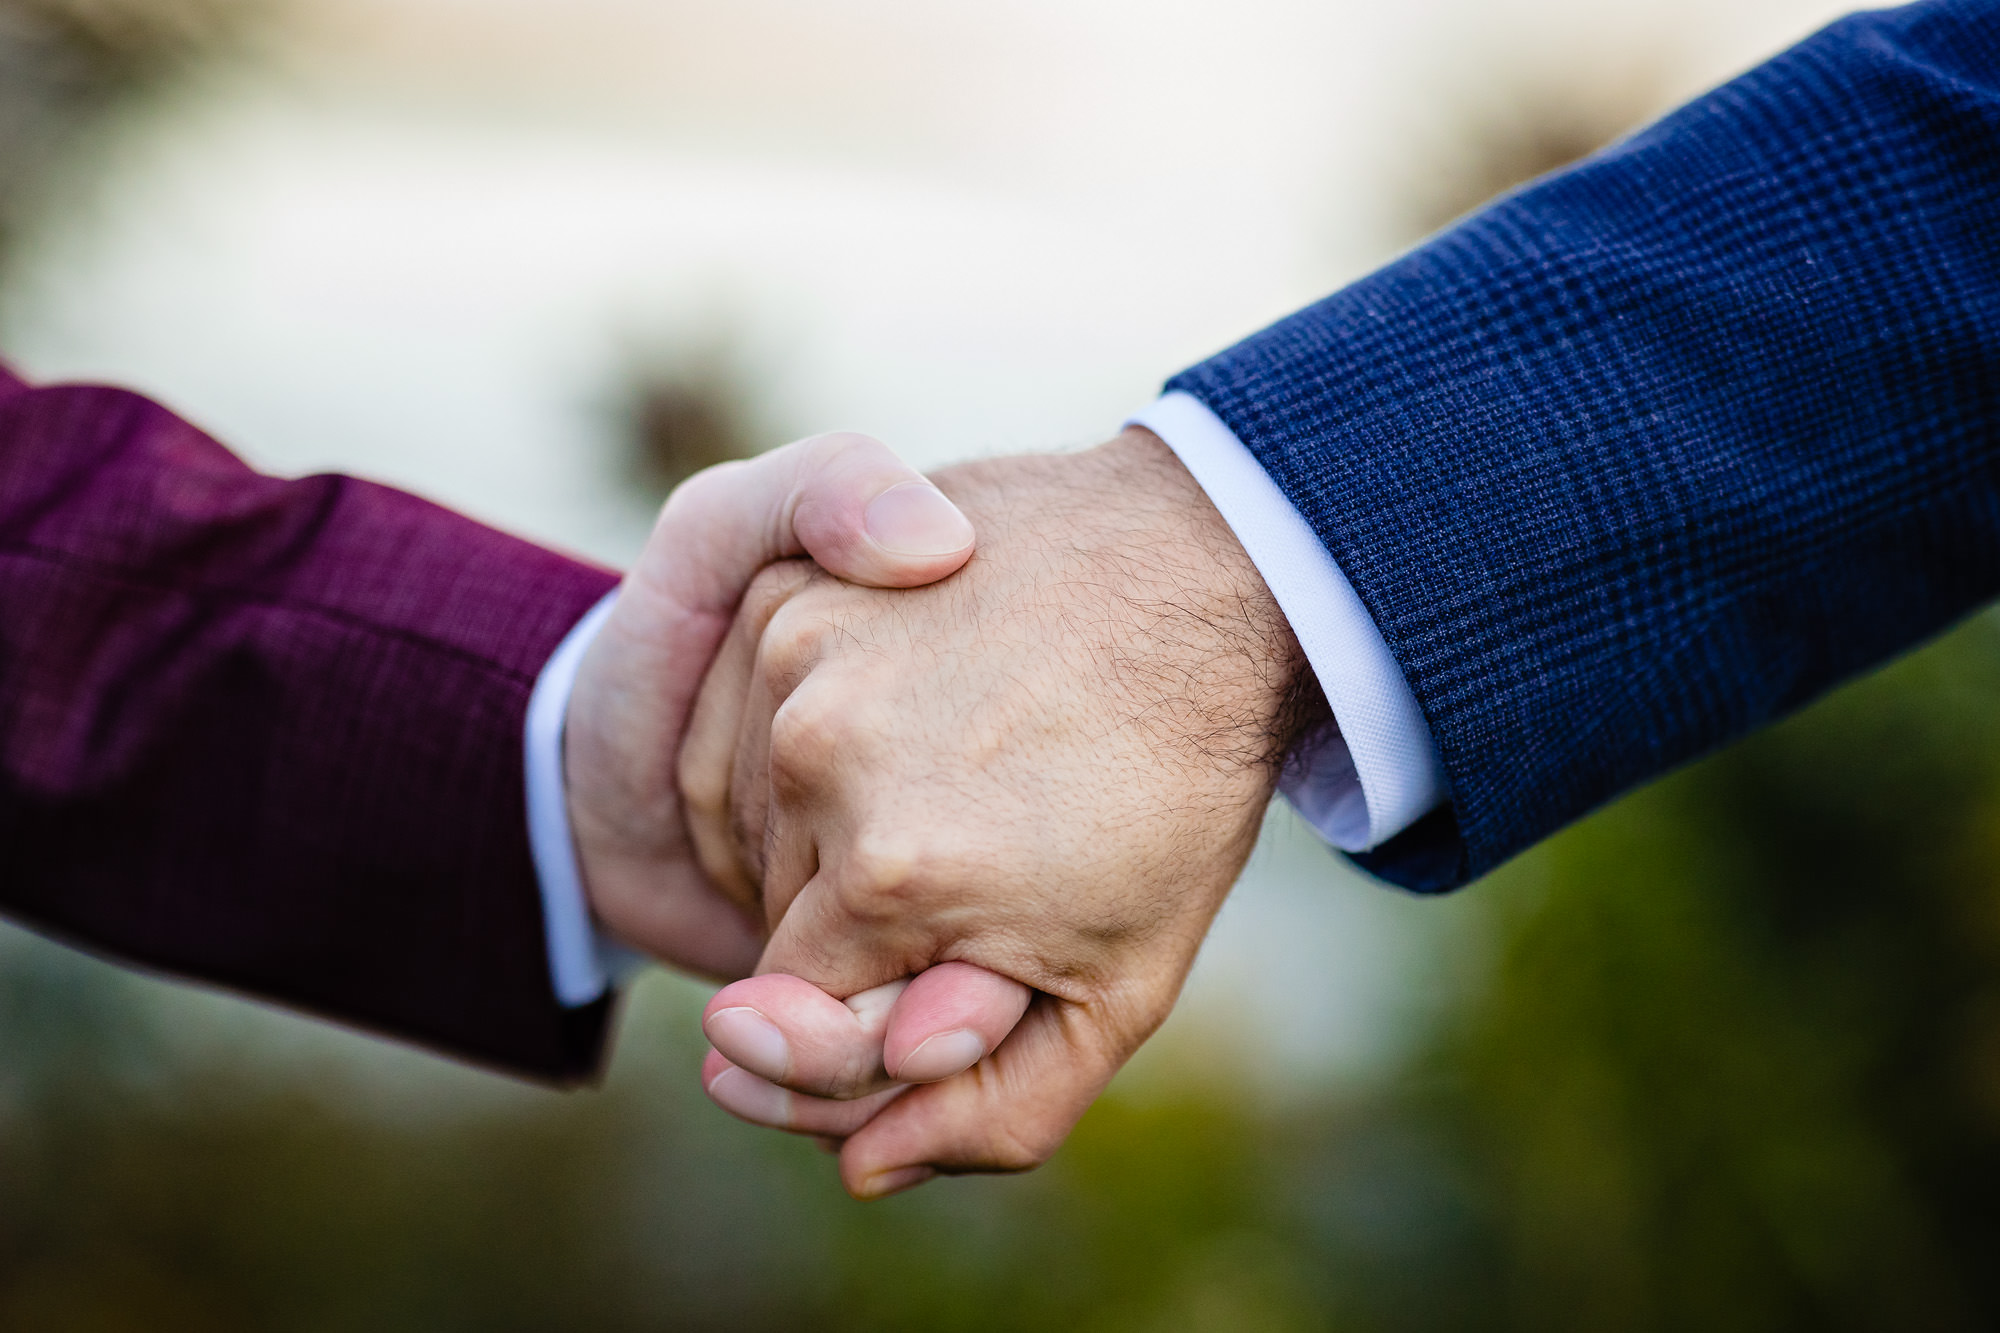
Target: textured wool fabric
x=268, y=733
x=1656, y=450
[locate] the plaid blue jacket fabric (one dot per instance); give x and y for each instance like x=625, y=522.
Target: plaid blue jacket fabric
x=1657, y=449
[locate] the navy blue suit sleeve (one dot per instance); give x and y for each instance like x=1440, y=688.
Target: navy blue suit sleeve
x=1655, y=450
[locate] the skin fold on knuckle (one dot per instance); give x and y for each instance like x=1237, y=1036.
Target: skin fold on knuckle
x=810, y=731
x=771, y=590
x=793, y=639
x=881, y=878
x=870, y=904
x=860, y=1075
x=704, y=780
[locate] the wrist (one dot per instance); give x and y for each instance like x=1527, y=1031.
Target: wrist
x=1183, y=624
x=1275, y=691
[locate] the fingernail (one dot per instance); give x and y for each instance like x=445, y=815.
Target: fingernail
x=751, y=1040
x=742, y=1093
x=892, y=1182
x=915, y=518
x=941, y=1056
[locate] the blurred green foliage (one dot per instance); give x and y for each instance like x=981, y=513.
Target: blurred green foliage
x=1736, y=1065
x=1727, y=1055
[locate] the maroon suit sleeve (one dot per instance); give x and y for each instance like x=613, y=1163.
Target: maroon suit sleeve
x=269, y=733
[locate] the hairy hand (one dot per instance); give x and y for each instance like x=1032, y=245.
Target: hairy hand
x=1051, y=765
x=847, y=501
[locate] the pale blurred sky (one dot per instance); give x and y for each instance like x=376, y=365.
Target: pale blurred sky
x=418, y=239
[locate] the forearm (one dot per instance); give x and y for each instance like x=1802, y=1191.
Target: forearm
x=1648, y=454
x=268, y=733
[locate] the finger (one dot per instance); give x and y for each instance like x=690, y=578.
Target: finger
x=791, y=1032
x=707, y=762
x=829, y=496
x=750, y=786
x=774, y=834
x=1014, y=1108
x=817, y=937
x=867, y=517
x=947, y=1019
x=787, y=712
x=747, y=1097
x=844, y=499
x=1010, y=1112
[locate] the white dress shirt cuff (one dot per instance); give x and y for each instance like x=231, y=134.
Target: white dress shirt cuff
x=1377, y=771
x=582, y=964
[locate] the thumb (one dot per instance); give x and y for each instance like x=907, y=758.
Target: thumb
x=947, y=1019
x=847, y=501
x=794, y=1034
x=844, y=499
x=864, y=515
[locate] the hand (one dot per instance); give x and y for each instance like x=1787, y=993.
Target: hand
x=1051, y=765
x=778, y=1037
x=847, y=501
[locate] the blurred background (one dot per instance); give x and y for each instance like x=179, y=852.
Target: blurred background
x=1725, y=1056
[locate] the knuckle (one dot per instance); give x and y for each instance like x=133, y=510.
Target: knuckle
x=880, y=865
x=878, y=877
x=704, y=785
x=806, y=736
x=773, y=587
x=790, y=643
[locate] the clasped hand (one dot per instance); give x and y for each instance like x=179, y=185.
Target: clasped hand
x=1028, y=786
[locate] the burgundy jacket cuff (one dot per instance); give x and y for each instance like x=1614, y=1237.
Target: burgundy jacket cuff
x=267, y=733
